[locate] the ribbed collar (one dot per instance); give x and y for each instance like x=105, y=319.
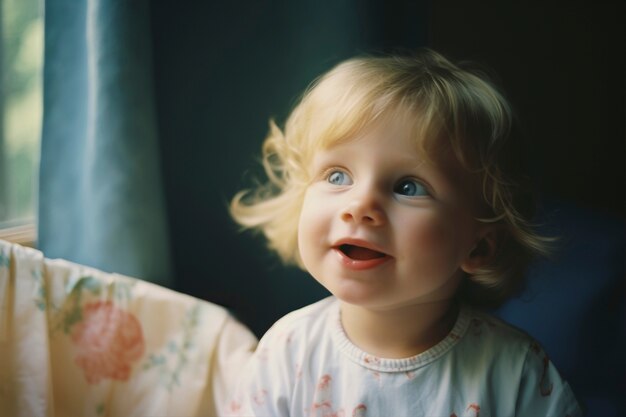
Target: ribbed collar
x=396, y=365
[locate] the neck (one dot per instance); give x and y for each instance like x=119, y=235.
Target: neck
x=402, y=332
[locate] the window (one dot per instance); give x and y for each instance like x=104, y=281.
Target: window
x=21, y=59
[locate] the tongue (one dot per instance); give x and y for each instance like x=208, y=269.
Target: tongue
x=361, y=254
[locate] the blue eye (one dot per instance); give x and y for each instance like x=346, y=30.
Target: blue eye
x=410, y=188
x=339, y=178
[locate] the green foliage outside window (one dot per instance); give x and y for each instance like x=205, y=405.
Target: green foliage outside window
x=21, y=58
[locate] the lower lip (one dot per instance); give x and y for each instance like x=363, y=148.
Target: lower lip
x=359, y=265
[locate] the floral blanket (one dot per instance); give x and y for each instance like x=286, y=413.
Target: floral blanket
x=75, y=341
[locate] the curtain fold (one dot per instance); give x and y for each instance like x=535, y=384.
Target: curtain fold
x=101, y=198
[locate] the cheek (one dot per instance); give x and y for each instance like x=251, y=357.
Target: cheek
x=313, y=227
x=432, y=236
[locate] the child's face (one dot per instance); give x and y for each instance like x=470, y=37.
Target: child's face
x=383, y=229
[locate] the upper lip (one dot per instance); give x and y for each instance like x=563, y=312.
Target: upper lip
x=358, y=242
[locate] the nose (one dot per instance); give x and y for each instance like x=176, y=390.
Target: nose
x=364, y=209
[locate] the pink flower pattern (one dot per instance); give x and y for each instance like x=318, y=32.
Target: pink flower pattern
x=472, y=407
x=475, y=407
x=108, y=340
x=545, y=386
x=323, y=405
x=234, y=407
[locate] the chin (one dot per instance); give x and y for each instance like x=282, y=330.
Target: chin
x=376, y=301
x=357, y=296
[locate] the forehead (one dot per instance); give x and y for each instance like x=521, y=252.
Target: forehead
x=394, y=143
x=398, y=132
x=380, y=151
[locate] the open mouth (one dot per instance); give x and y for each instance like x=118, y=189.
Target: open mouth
x=359, y=253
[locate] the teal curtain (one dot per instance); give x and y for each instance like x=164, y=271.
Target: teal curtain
x=101, y=199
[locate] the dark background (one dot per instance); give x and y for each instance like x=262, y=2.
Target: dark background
x=222, y=69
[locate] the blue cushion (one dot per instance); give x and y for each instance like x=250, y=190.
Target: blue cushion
x=574, y=305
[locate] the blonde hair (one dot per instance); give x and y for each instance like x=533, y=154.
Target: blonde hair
x=446, y=105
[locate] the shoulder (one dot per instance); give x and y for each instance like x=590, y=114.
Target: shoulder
x=307, y=322
x=489, y=333
x=265, y=386
x=492, y=348
x=523, y=366
x=307, y=313
x=294, y=335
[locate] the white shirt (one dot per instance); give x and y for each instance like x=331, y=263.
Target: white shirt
x=305, y=365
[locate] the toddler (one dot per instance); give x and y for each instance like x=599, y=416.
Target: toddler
x=394, y=185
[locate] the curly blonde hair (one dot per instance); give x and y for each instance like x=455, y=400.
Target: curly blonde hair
x=446, y=105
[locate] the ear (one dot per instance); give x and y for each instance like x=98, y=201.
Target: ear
x=483, y=252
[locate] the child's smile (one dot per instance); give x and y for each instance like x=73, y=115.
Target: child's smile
x=358, y=254
x=381, y=228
